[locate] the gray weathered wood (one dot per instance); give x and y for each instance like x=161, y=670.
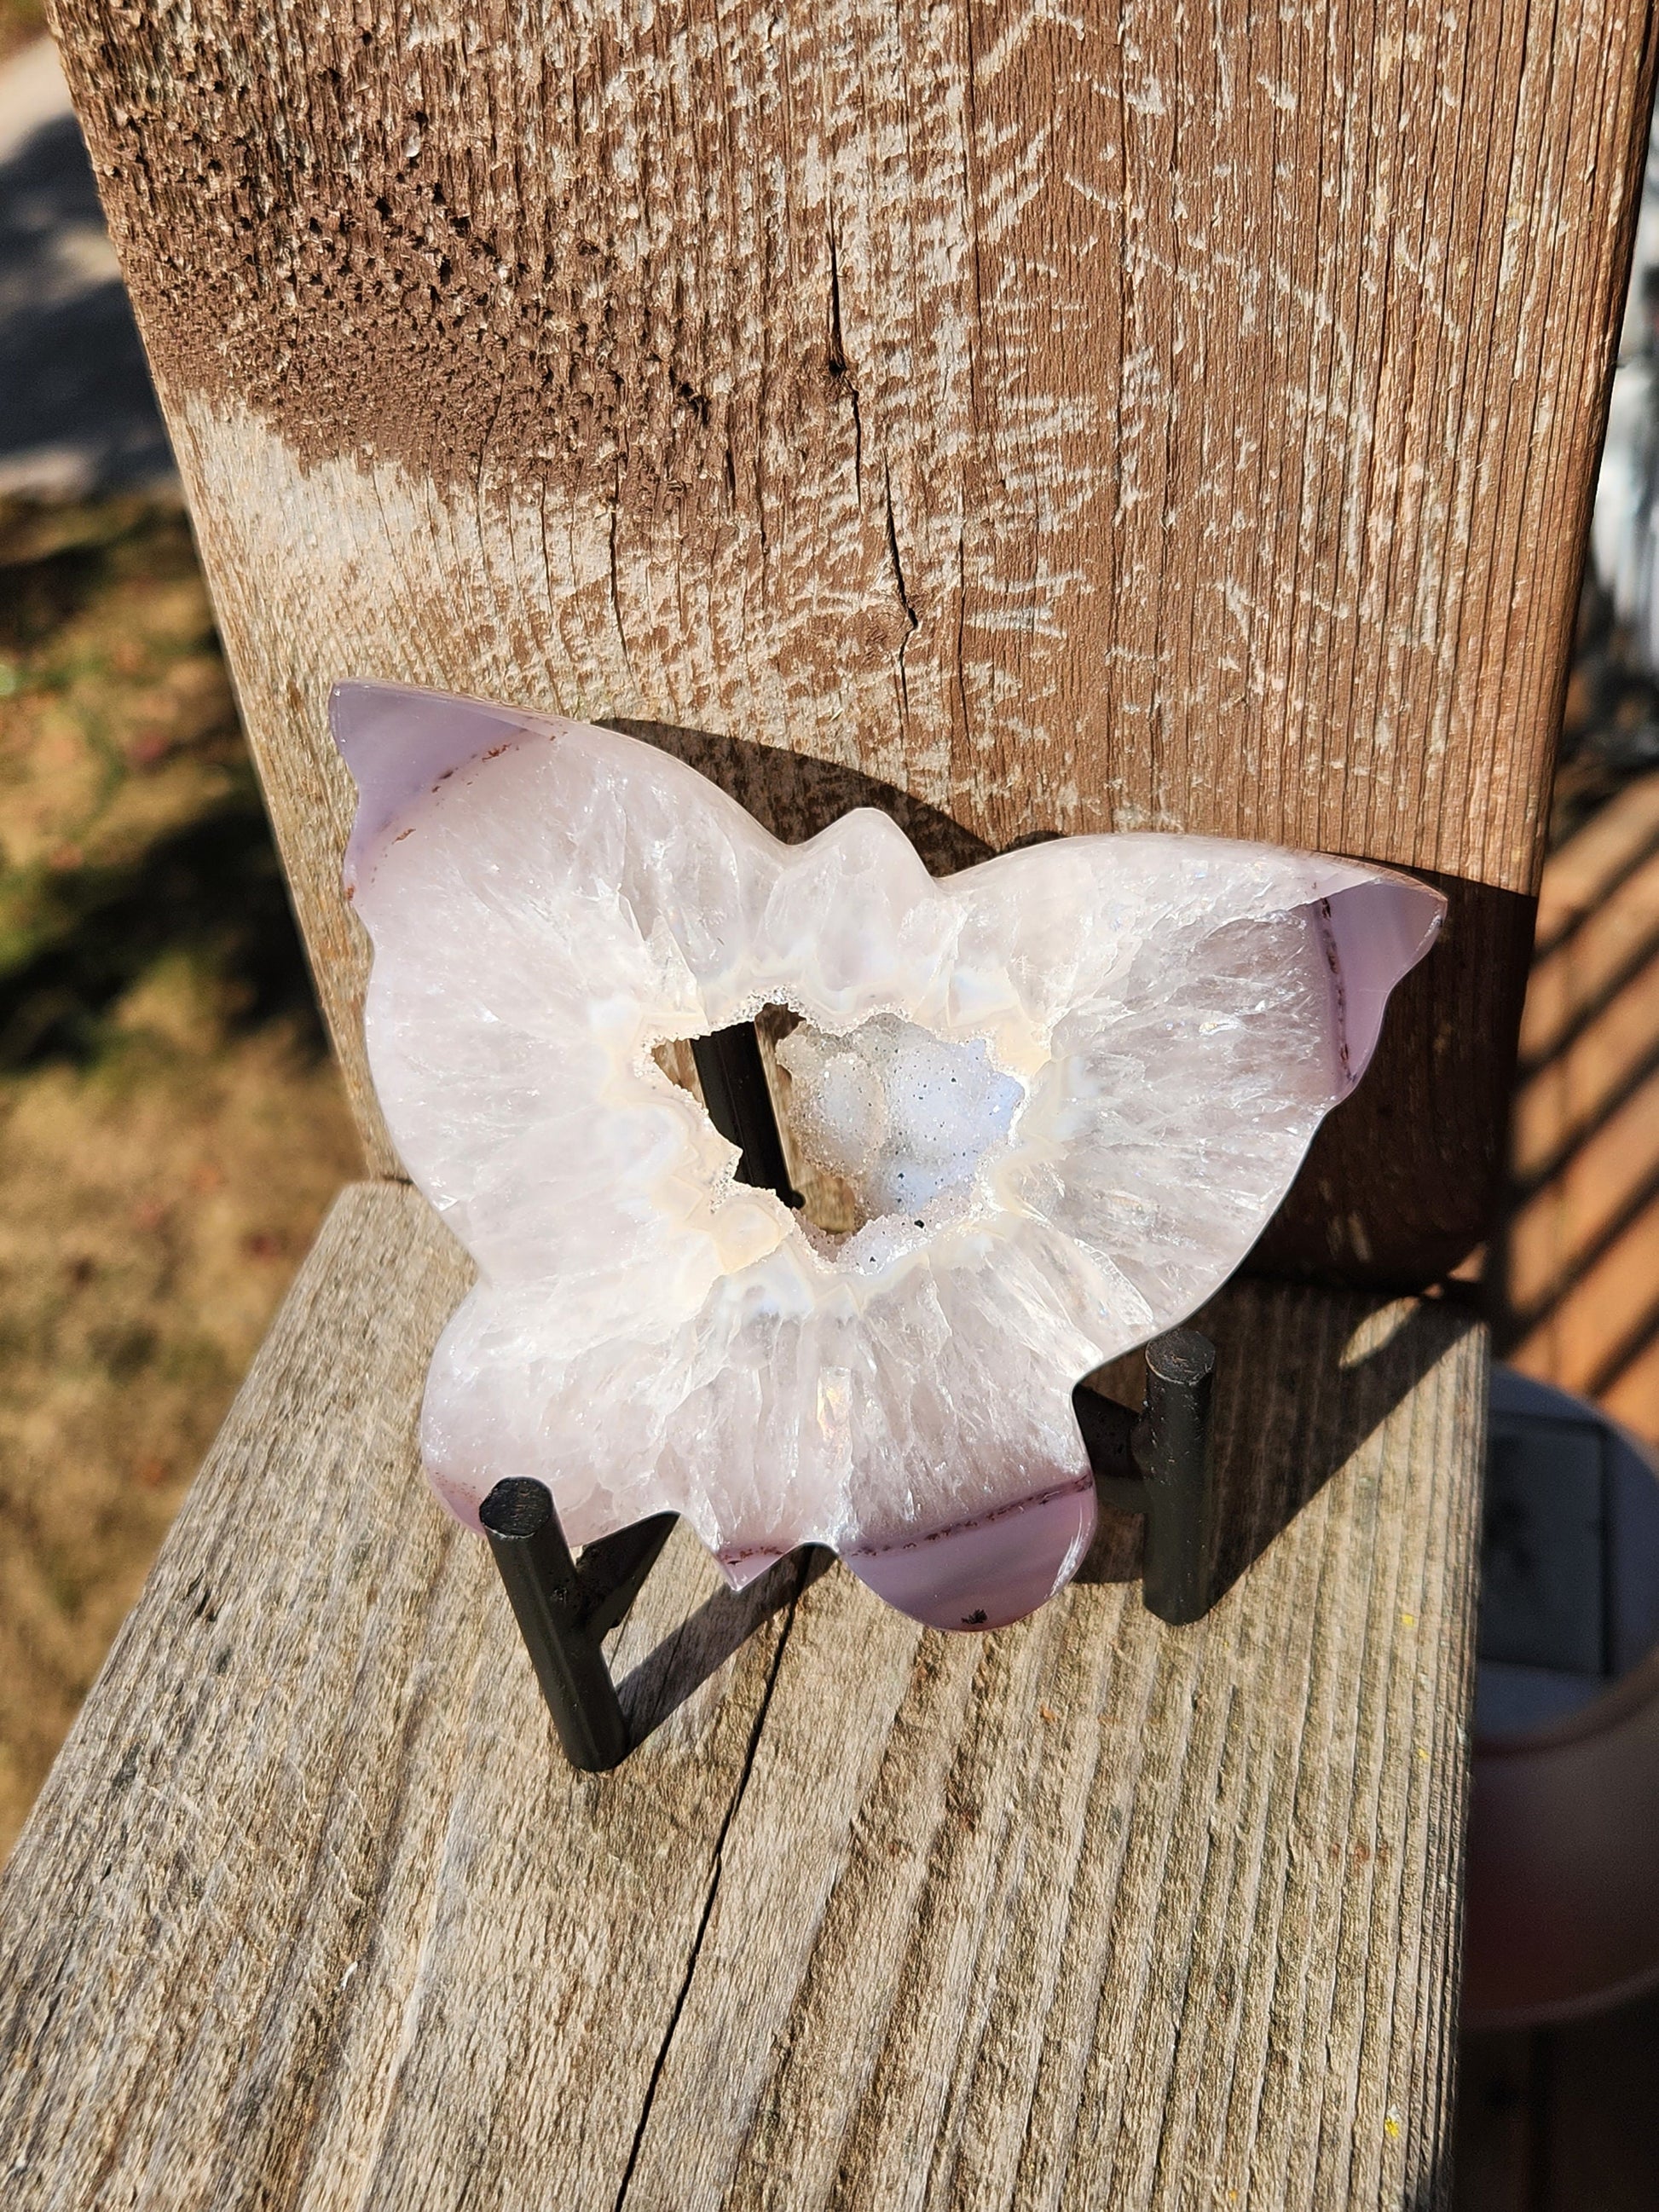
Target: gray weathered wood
x=1068, y=417
x=1090, y=1911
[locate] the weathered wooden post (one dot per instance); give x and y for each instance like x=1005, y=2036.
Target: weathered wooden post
x=1037, y=421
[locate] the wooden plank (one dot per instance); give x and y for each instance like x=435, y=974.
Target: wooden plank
x=1612, y=844
x=1049, y=420
x=1088, y=1911
x=1613, y=941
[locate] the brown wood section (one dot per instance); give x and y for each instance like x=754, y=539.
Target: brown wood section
x=1071, y=419
x=1578, y=1272
x=310, y=1914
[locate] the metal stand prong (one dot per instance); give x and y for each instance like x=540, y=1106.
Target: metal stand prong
x=739, y=1101
x=565, y=1608
x=1162, y=1465
x=1172, y=1448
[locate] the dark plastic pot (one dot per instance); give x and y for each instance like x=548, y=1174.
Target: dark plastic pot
x=1562, y=1914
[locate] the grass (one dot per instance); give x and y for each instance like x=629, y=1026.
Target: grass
x=170, y=1127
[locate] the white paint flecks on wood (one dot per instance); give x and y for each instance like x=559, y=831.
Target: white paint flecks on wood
x=310, y=1914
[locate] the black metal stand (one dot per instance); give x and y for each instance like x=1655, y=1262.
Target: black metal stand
x=1158, y=1464
x=739, y=1102
x=566, y=1609
x=1162, y=1465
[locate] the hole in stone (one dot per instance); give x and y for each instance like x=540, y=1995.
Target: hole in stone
x=885, y=1120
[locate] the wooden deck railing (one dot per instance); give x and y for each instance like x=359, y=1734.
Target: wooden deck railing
x=1029, y=420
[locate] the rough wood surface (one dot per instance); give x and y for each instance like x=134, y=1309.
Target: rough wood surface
x=1069, y=418
x=1090, y=1911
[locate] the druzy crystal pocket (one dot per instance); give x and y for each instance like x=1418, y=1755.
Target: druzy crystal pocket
x=1064, y=1090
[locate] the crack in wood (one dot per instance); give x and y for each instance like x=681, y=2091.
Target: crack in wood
x=717, y=1865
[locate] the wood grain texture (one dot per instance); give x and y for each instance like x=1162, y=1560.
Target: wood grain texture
x=1163, y=416
x=1088, y=1912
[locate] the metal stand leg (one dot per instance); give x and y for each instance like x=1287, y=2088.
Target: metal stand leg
x=739, y=1101
x=1162, y=1465
x=565, y=1608
x=1159, y=1465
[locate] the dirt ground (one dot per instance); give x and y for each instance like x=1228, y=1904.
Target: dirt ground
x=171, y=1128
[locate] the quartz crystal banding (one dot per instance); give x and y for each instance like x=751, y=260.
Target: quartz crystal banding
x=1150, y=1027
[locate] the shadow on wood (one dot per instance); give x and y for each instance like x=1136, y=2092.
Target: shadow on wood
x=700, y=1647
x=1283, y=1426
x=794, y=795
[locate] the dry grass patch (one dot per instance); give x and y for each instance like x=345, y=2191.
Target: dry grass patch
x=171, y=1129
x=22, y=22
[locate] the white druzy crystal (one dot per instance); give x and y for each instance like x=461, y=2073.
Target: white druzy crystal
x=899, y=1114
x=1068, y=1087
